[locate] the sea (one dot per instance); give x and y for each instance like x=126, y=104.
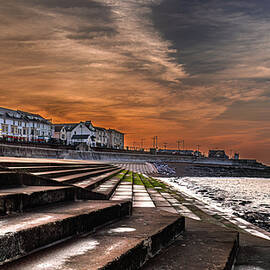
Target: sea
x=248, y=198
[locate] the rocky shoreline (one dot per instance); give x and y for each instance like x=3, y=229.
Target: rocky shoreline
x=243, y=208
x=262, y=220
x=239, y=205
x=183, y=169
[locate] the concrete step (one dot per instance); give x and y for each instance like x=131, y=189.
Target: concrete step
x=9, y=179
x=126, y=244
x=27, y=163
x=48, y=168
x=65, y=172
x=13, y=180
x=203, y=246
x=110, y=185
x=26, y=233
x=74, y=178
x=26, y=197
x=93, y=182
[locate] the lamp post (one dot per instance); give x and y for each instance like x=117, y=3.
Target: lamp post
x=81, y=132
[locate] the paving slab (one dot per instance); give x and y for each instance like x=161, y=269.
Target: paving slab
x=109, y=186
x=254, y=253
x=123, y=190
x=203, y=246
x=126, y=244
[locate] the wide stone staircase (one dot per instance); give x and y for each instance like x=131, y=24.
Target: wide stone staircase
x=87, y=216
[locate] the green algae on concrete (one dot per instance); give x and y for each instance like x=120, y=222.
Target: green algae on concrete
x=128, y=177
x=137, y=180
x=146, y=181
x=121, y=174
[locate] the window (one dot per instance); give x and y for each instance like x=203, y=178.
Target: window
x=14, y=130
x=4, y=128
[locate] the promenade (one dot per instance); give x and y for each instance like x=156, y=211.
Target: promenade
x=70, y=214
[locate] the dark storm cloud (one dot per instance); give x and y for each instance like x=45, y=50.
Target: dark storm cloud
x=253, y=110
x=217, y=36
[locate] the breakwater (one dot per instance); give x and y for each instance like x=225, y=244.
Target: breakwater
x=196, y=169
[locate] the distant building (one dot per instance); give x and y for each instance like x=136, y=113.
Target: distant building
x=219, y=154
x=198, y=153
x=102, y=137
x=62, y=132
x=116, y=139
x=66, y=132
x=85, y=132
x=24, y=126
x=186, y=152
x=177, y=152
x=76, y=133
x=57, y=132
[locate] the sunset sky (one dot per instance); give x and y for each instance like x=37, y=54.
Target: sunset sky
x=197, y=70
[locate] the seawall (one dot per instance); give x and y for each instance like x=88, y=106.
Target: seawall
x=39, y=152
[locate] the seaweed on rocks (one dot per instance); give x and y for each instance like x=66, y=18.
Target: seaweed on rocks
x=259, y=219
x=164, y=169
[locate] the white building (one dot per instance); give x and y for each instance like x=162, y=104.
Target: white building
x=76, y=133
x=24, y=126
x=85, y=132
x=102, y=137
x=62, y=131
x=116, y=139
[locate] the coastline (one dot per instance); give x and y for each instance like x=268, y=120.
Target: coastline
x=240, y=207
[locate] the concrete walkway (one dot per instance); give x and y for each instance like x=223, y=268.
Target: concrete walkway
x=139, y=189
x=138, y=167
x=254, y=252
